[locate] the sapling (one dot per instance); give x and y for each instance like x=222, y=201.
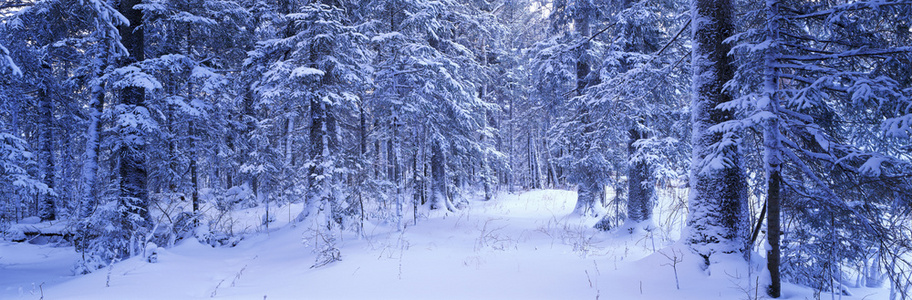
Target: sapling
x=215, y=291
x=588, y=278
x=490, y=237
x=237, y=276
x=753, y=289
x=675, y=258
x=111, y=270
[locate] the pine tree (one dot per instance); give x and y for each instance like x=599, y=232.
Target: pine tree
x=718, y=198
x=421, y=82
x=132, y=122
x=192, y=55
x=15, y=159
x=637, y=99
x=808, y=92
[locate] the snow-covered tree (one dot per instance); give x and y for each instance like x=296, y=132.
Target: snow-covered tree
x=639, y=98
x=121, y=220
x=193, y=47
x=328, y=66
x=421, y=82
x=314, y=73
x=718, y=221
x=825, y=110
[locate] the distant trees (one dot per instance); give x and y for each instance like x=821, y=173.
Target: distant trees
x=15, y=158
x=640, y=99
x=564, y=69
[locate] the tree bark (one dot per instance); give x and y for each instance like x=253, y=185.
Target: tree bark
x=718, y=221
x=773, y=229
x=90, y=164
x=640, y=186
x=589, y=189
x=439, y=180
x=772, y=145
x=510, y=154
x=396, y=169
x=134, y=196
x=48, y=204
x=534, y=167
x=194, y=176
x=317, y=188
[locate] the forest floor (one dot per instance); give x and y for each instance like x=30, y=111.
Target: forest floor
x=525, y=246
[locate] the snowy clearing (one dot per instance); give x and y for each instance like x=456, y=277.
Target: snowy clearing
x=525, y=246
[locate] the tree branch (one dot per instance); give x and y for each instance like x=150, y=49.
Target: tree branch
x=15, y=5
x=849, y=7
x=847, y=54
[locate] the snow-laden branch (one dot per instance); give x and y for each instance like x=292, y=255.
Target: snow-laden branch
x=855, y=6
x=847, y=54
x=823, y=185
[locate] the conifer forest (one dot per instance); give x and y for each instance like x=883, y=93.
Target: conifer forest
x=456, y=149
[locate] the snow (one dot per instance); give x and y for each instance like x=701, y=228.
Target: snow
x=26, y=269
x=384, y=37
x=192, y=19
x=819, y=137
x=871, y=167
x=133, y=76
x=301, y=72
x=34, y=225
x=6, y=61
x=899, y=127
x=525, y=246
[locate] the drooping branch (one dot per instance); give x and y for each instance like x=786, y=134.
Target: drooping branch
x=848, y=54
x=15, y=5
x=851, y=7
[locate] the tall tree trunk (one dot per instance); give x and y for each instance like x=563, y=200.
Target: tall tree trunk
x=89, y=193
x=249, y=119
x=391, y=159
x=88, y=197
x=331, y=149
x=321, y=191
x=509, y=174
x=438, y=172
x=425, y=166
x=316, y=193
x=48, y=205
x=718, y=196
x=194, y=172
x=640, y=184
x=396, y=169
x=171, y=158
x=589, y=188
x=362, y=160
x=362, y=132
x=417, y=182
x=485, y=175
x=134, y=197
x=772, y=144
x=640, y=187
x=289, y=140
x=378, y=159
x=535, y=175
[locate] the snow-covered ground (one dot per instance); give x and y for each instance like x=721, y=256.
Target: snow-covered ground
x=525, y=246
